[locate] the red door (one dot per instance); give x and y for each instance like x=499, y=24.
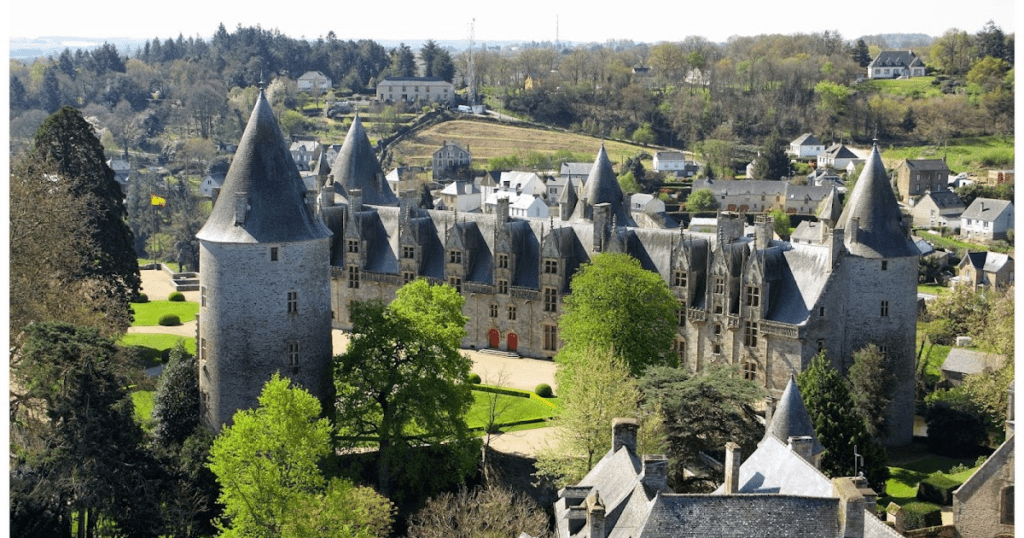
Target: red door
x=513, y=341
x=494, y=337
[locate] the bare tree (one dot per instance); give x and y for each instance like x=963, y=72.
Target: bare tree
x=489, y=511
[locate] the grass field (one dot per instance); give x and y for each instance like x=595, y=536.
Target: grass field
x=933, y=289
x=486, y=140
x=152, y=346
x=953, y=244
x=512, y=409
x=901, y=487
x=148, y=314
x=969, y=154
x=916, y=88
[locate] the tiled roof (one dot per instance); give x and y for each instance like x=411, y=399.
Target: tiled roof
x=807, y=139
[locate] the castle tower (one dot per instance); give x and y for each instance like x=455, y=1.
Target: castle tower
x=265, y=282
x=357, y=167
x=791, y=424
x=879, y=299
x=602, y=186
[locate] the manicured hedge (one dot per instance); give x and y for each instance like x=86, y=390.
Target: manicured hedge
x=140, y=298
x=503, y=390
x=474, y=378
x=176, y=296
x=543, y=390
x=170, y=319
x=937, y=488
x=918, y=515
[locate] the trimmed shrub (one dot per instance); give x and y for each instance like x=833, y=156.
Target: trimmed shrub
x=502, y=390
x=543, y=390
x=140, y=298
x=169, y=320
x=918, y=515
x=474, y=378
x=937, y=488
x=176, y=296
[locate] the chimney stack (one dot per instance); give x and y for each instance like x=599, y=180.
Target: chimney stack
x=851, y=507
x=656, y=472
x=595, y=516
x=732, y=468
x=803, y=446
x=355, y=200
x=624, y=434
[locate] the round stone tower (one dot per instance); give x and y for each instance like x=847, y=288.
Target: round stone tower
x=265, y=280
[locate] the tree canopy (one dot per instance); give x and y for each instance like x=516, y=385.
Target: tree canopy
x=403, y=379
x=701, y=200
x=617, y=304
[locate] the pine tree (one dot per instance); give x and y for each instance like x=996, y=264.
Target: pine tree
x=772, y=163
x=861, y=54
x=839, y=427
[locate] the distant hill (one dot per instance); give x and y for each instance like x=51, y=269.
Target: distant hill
x=898, y=41
x=24, y=48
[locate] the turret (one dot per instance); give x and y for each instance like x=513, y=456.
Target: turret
x=357, y=168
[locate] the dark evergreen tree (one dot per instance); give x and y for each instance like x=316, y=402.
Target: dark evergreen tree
x=772, y=163
x=105, y=58
x=50, y=99
x=442, y=66
x=17, y=95
x=871, y=387
x=839, y=427
x=909, y=122
x=861, y=54
x=403, y=61
x=426, y=199
x=428, y=52
x=66, y=63
x=67, y=146
x=991, y=41
x=176, y=402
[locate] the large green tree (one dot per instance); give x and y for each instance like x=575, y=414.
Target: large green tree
x=702, y=412
x=871, y=387
x=402, y=381
x=773, y=163
x=176, y=401
x=267, y=463
x=839, y=426
x=67, y=148
x=701, y=200
x=615, y=303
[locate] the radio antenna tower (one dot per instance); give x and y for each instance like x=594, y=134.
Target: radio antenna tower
x=471, y=83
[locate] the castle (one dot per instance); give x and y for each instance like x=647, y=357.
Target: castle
x=766, y=305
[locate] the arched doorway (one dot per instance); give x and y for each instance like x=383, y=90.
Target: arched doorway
x=493, y=338
x=513, y=341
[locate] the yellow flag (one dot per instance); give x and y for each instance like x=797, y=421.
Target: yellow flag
x=156, y=200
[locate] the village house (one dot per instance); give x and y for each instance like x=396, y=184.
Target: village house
x=983, y=506
x=985, y=270
x=763, y=196
x=999, y=177
x=412, y=89
x=938, y=209
x=461, y=196
x=986, y=220
x=449, y=157
x=674, y=163
x=313, y=81
x=963, y=362
x=806, y=146
x=916, y=176
x=837, y=157
x=896, y=64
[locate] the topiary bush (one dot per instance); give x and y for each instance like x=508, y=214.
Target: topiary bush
x=543, y=390
x=937, y=488
x=918, y=515
x=140, y=298
x=474, y=378
x=176, y=296
x=169, y=320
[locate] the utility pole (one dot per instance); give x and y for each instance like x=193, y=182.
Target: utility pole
x=471, y=83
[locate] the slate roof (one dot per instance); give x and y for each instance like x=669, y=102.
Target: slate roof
x=840, y=151
x=1001, y=457
x=896, y=58
x=926, y=164
x=413, y=79
x=262, y=176
x=602, y=186
x=576, y=169
x=791, y=418
x=322, y=167
x=357, y=168
x=986, y=209
x=671, y=156
x=967, y=361
x=945, y=199
x=807, y=139
x=831, y=209
x=873, y=203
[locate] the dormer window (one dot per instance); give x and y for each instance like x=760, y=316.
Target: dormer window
x=454, y=256
x=353, y=246
x=550, y=266
x=502, y=261
x=679, y=279
x=408, y=252
x=503, y=286
x=753, y=296
x=719, y=285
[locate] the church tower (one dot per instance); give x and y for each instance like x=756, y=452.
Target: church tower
x=878, y=272
x=265, y=280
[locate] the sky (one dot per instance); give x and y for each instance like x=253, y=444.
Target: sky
x=522, y=20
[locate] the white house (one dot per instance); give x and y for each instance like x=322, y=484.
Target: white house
x=806, y=146
x=522, y=183
x=986, y=219
x=896, y=64
x=520, y=205
x=210, y=183
x=837, y=156
x=646, y=203
x=675, y=163
x=311, y=80
x=427, y=89
x=304, y=152
x=461, y=196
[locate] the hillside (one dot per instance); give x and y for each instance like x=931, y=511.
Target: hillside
x=486, y=140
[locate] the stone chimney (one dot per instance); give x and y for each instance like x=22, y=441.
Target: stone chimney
x=870, y=497
x=602, y=221
x=851, y=507
x=624, y=434
x=655, y=472
x=595, y=516
x=803, y=446
x=732, y=468
x=836, y=242
x=854, y=228
x=502, y=211
x=764, y=231
x=730, y=227
x=355, y=200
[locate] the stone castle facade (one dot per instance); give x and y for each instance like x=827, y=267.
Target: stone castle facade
x=746, y=299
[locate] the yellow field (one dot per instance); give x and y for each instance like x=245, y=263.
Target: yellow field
x=486, y=140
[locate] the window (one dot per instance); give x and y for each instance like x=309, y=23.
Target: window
x=454, y=256
x=1006, y=506
x=550, y=300
x=753, y=296
x=718, y=329
x=679, y=346
x=273, y=254
x=679, y=279
x=750, y=371
x=821, y=346
x=494, y=311
x=716, y=348
x=550, y=338
x=719, y=284
x=408, y=276
x=885, y=265
x=718, y=308
x=502, y=261
x=408, y=252
x=353, y=246
x=511, y=312
x=885, y=309
x=550, y=267
x=293, y=302
x=750, y=333
x=293, y=353
x=353, y=277
x=202, y=296
x=456, y=283
x=202, y=349
x=681, y=314
x=883, y=350
x=821, y=311
x=503, y=286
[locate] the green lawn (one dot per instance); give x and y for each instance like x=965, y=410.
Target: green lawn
x=901, y=487
x=933, y=289
x=152, y=346
x=512, y=409
x=917, y=87
x=148, y=314
x=974, y=154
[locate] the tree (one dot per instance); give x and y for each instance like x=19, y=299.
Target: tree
x=595, y=386
x=952, y=52
x=442, y=66
x=483, y=511
x=403, y=61
x=69, y=149
x=871, y=388
x=72, y=422
x=954, y=431
x=701, y=200
x=839, y=427
x=702, y=412
x=428, y=52
x=861, y=54
x=176, y=401
x=402, y=380
x=991, y=41
x=909, y=122
x=772, y=163
x=717, y=154
x=267, y=465
x=615, y=303
x=780, y=223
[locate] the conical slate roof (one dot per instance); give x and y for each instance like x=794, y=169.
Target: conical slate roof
x=602, y=186
x=791, y=418
x=322, y=167
x=262, y=199
x=873, y=204
x=831, y=210
x=357, y=168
